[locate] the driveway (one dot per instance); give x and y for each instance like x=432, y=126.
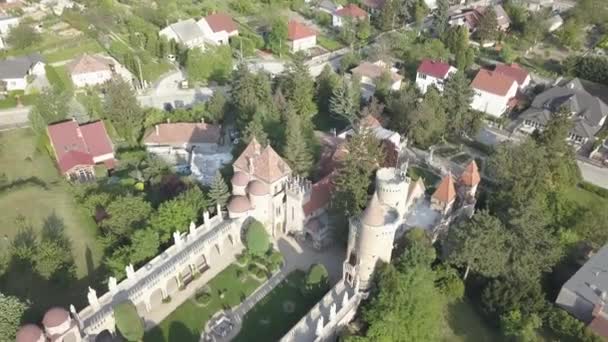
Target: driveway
x=14, y=117
x=594, y=174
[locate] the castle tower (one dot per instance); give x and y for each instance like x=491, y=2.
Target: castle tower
x=468, y=181
x=297, y=191
x=370, y=241
x=392, y=187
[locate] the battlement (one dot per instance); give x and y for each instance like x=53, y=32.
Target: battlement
x=298, y=186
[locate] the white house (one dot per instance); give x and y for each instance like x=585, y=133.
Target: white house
x=218, y=28
x=89, y=70
x=432, y=73
x=186, y=32
x=516, y=72
x=493, y=92
x=14, y=71
x=7, y=23
x=300, y=36
x=370, y=73
x=348, y=12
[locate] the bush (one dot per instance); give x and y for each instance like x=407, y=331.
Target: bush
x=203, y=297
x=128, y=322
x=317, y=276
x=243, y=259
x=275, y=260
x=257, y=239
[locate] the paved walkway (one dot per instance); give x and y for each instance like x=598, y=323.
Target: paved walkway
x=160, y=312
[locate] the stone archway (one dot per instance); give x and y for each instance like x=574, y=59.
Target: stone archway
x=156, y=297
x=172, y=285
x=186, y=275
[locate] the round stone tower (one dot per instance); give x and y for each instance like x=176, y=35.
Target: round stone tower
x=370, y=241
x=392, y=186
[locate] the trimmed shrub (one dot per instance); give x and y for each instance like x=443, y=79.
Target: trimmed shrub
x=128, y=322
x=257, y=239
x=317, y=276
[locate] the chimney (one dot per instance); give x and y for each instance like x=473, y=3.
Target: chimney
x=168, y=120
x=250, y=165
x=157, y=130
x=202, y=120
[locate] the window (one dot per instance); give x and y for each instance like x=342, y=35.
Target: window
x=422, y=76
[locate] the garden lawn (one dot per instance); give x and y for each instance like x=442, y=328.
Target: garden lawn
x=464, y=324
x=71, y=51
x=188, y=321
x=43, y=193
x=429, y=178
x=272, y=314
x=329, y=43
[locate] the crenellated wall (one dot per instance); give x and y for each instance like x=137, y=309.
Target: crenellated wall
x=192, y=251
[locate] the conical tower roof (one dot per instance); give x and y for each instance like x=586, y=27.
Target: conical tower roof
x=446, y=192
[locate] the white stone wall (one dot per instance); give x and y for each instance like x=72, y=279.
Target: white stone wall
x=91, y=78
x=492, y=104
x=303, y=44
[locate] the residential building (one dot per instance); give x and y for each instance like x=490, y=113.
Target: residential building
x=582, y=100
x=14, y=71
x=471, y=18
x=78, y=148
x=373, y=6
x=370, y=73
x=433, y=73
x=349, y=12
x=186, y=32
x=177, y=142
x=584, y=295
x=516, y=72
x=7, y=23
x=91, y=70
x=300, y=36
x=494, y=92
x=327, y=6
x=218, y=28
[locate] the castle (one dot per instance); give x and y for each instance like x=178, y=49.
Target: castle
x=264, y=188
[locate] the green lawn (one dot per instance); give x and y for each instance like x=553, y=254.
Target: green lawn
x=280, y=310
x=429, y=178
x=329, y=43
x=583, y=197
x=464, y=324
x=40, y=194
x=70, y=51
x=188, y=321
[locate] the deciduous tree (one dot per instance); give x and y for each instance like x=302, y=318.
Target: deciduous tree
x=125, y=215
x=488, y=26
x=23, y=36
x=11, y=312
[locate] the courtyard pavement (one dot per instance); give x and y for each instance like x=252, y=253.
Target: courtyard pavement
x=297, y=256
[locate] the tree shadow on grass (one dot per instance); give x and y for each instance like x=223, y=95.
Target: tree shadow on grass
x=178, y=331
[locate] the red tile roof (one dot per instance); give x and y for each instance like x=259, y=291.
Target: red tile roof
x=87, y=63
x=221, y=22
x=351, y=10
x=599, y=325
x=77, y=145
x=470, y=176
x=492, y=82
x=446, y=192
x=514, y=71
x=370, y=121
x=320, y=195
x=434, y=69
x=374, y=70
x=297, y=30
x=183, y=132
x=267, y=164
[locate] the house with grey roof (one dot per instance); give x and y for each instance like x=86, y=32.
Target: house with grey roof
x=581, y=100
x=186, y=32
x=14, y=71
x=584, y=295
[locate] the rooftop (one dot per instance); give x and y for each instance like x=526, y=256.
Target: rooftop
x=297, y=30
x=89, y=63
x=470, y=176
x=492, y=82
x=264, y=164
x=351, y=10
x=219, y=22
x=18, y=67
x=514, y=71
x=375, y=70
x=187, y=30
x=434, y=68
x=183, y=133
x=446, y=192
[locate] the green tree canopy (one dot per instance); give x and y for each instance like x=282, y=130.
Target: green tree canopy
x=488, y=26
x=125, y=215
x=218, y=193
x=297, y=153
x=257, y=239
x=176, y=214
x=23, y=36
x=50, y=106
x=122, y=109
x=458, y=95
x=214, y=64
x=128, y=322
x=344, y=101
x=277, y=37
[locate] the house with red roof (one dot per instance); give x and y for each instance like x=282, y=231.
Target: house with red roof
x=218, y=28
x=433, y=73
x=494, y=92
x=444, y=197
x=516, y=72
x=301, y=37
x=370, y=72
x=78, y=148
x=349, y=12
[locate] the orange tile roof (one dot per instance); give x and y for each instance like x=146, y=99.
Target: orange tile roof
x=351, y=10
x=492, y=82
x=514, y=71
x=87, y=63
x=221, y=22
x=267, y=164
x=470, y=176
x=296, y=30
x=446, y=192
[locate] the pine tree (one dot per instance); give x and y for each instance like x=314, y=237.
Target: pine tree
x=488, y=26
x=218, y=194
x=457, y=96
x=443, y=15
x=296, y=151
x=344, y=104
x=255, y=128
